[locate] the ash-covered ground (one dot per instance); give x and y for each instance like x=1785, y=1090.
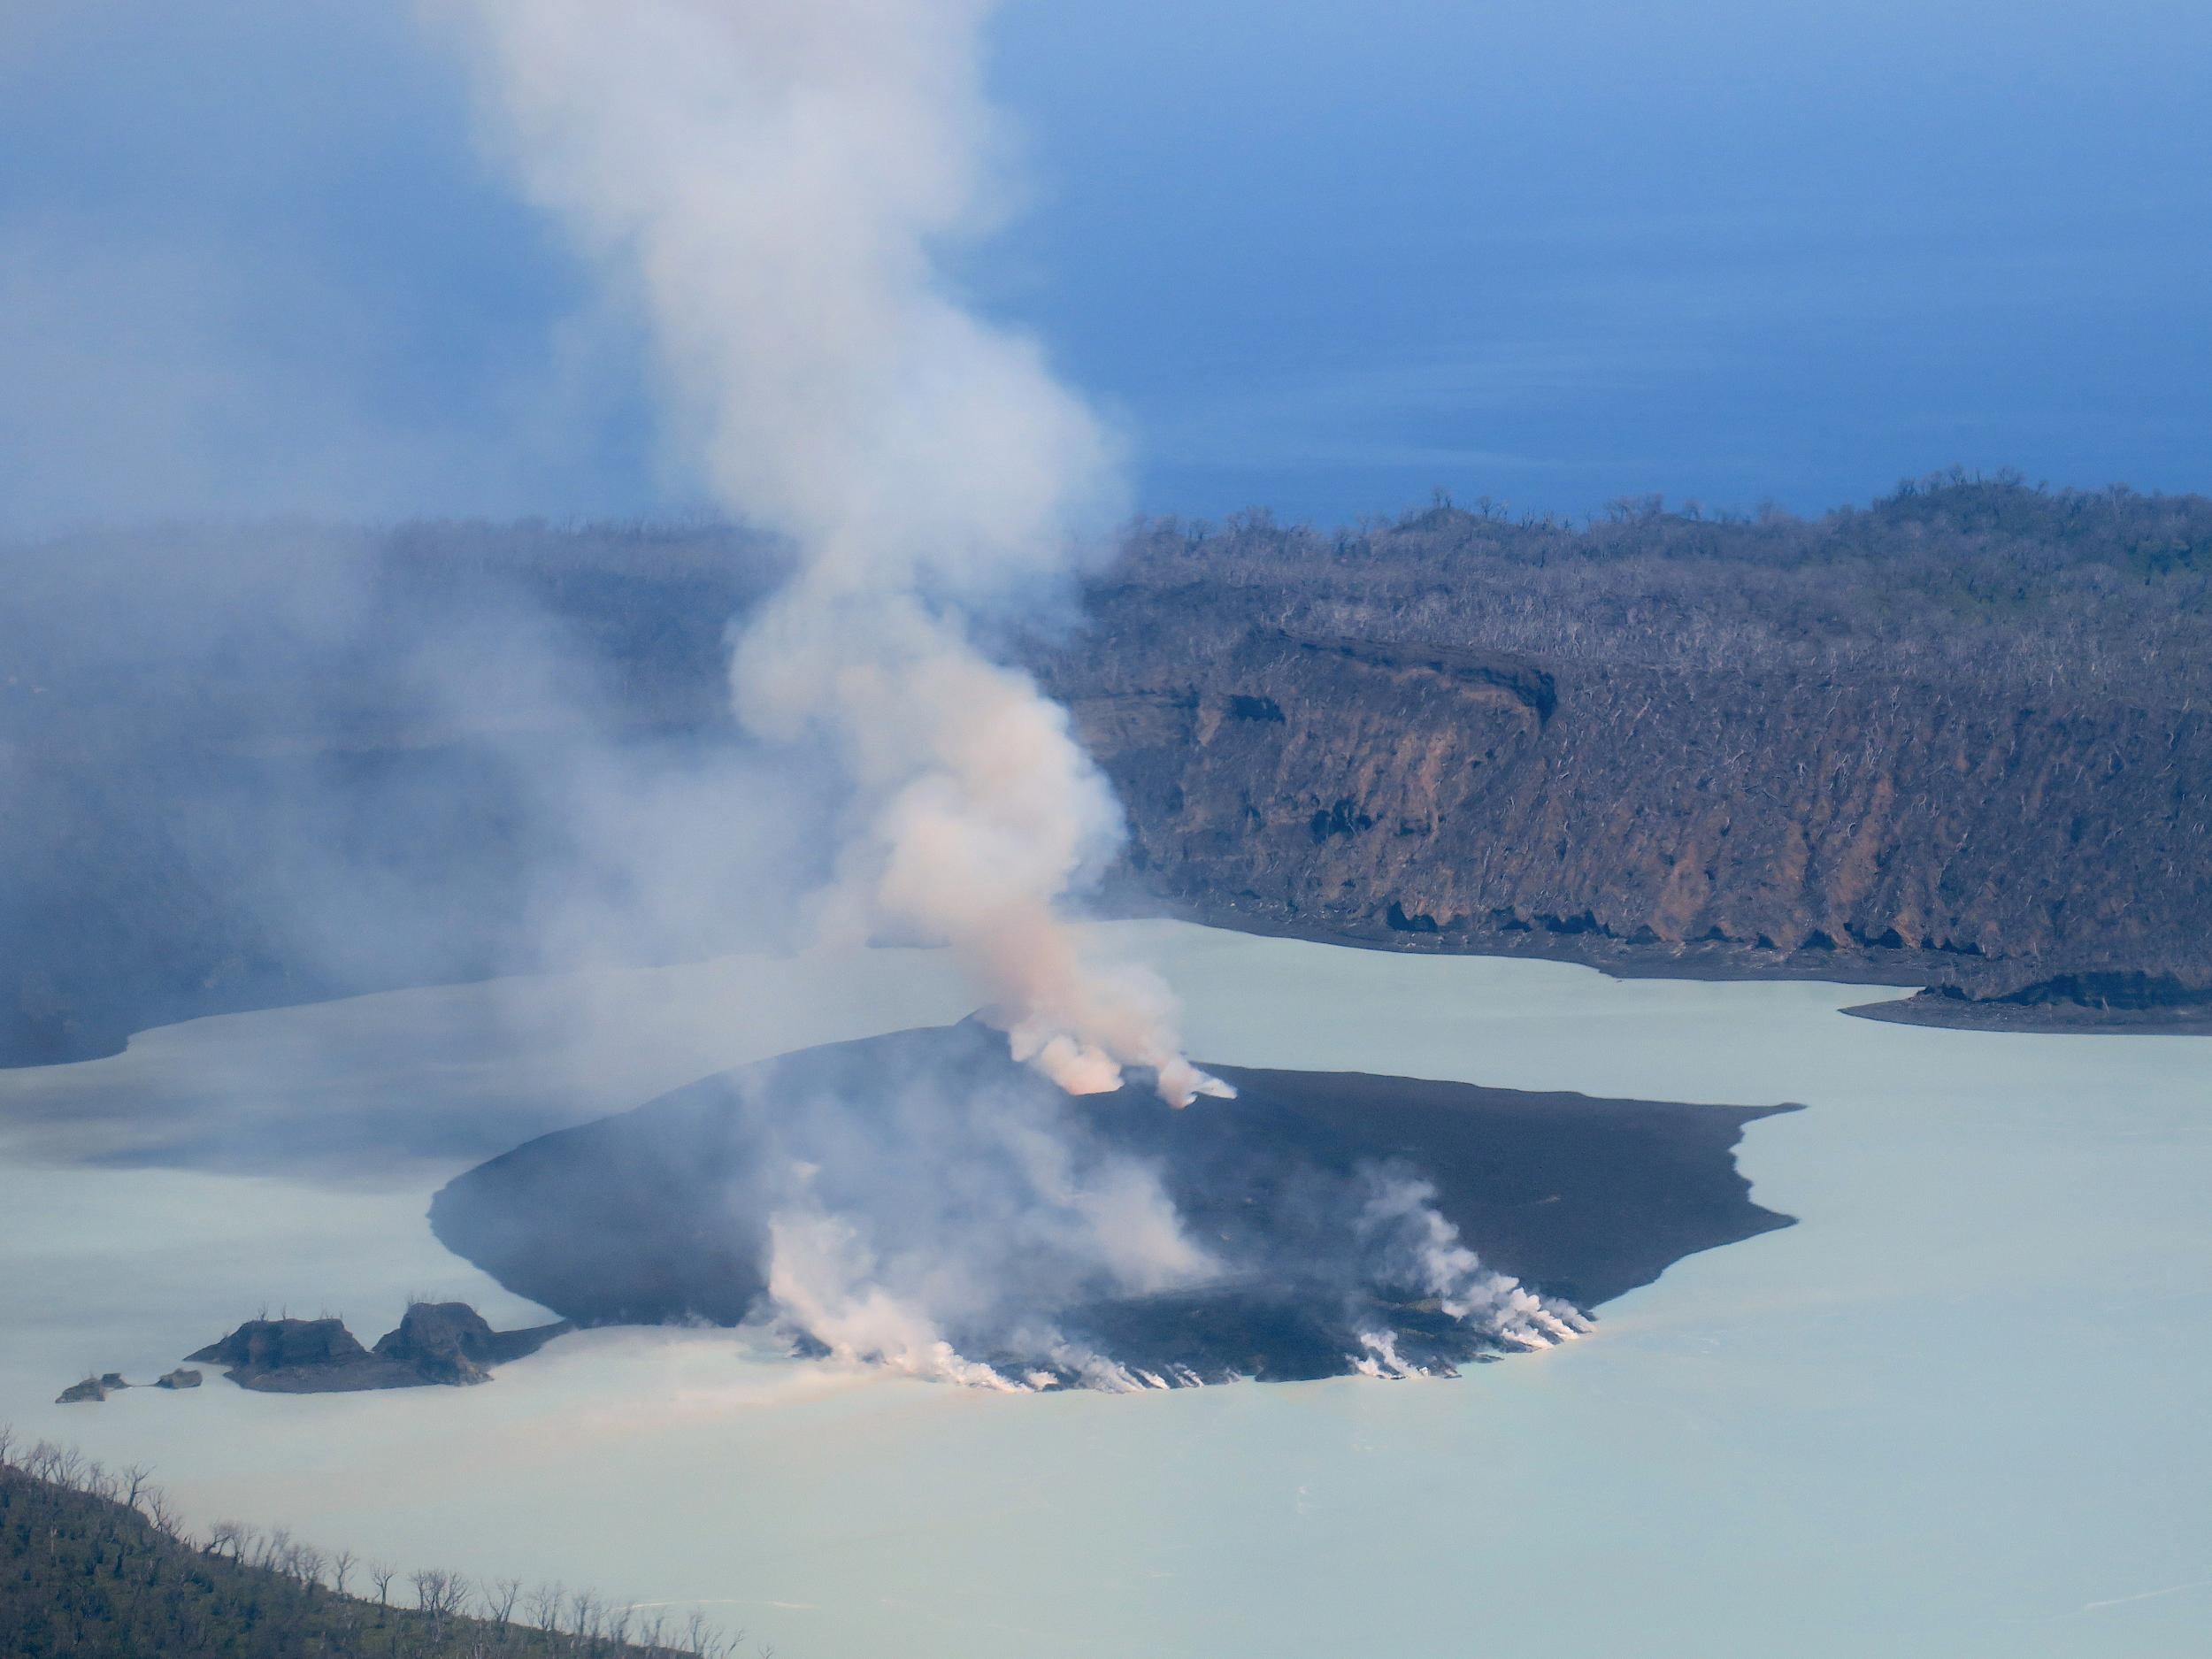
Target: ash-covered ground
x=920, y=1201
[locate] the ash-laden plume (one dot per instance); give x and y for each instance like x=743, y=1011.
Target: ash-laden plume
x=921, y=1202
x=770, y=182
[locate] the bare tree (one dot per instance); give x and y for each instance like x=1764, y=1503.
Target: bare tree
x=341, y=1564
x=382, y=1573
x=135, y=1479
x=162, y=1514
x=545, y=1606
x=583, y=1615
x=439, y=1594
x=500, y=1596
x=98, y=1483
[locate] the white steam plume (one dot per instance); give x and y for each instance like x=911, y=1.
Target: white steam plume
x=907, y=1222
x=771, y=180
x=1401, y=1219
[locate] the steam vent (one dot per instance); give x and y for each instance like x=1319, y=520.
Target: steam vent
x=921, y=1200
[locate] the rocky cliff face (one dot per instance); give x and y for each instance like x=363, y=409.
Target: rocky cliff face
x=1962, y=737
x=1455, y=799
x=264, y=1345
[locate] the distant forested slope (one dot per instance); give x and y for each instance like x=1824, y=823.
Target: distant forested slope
x=1961, y=735
x=1966, y=734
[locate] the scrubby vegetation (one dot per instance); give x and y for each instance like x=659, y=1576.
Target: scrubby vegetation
x=1972, y=719
x=2069, y=592
x=96, y=1564
x=1963, y=735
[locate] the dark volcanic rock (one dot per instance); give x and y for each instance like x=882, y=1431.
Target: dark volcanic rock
x=180, y=1378
x=91, y=1390
x=651, y=1215
x=301, y=1356
x=284, y=1344
x=436, y=1343
x=1585, y=1198
x=450, y=1343
x=2070, y=1001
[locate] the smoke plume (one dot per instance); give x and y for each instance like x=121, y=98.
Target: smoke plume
x=773, y=183
x=1417, y=1247
x=922, y=1202
x=924, y=1214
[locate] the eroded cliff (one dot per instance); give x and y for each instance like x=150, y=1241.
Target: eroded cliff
x=1977, y=763
x=1452, y=800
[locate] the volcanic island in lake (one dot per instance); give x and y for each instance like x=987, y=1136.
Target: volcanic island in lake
x=1315, y=1224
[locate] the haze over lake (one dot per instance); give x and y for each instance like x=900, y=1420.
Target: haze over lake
x=1955, y=1410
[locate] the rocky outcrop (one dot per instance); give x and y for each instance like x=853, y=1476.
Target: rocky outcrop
x=91, y=1390
x=2071, y=1002
x=450, y=1343
x=180, y=1378
x=265, y=1347
x=440, y=1343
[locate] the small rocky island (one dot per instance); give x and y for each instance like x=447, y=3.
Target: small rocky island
x=438, y=1343
x=91, y=1390
x=667, y=1213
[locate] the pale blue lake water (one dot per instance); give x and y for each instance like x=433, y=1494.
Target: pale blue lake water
x=1957, y=1410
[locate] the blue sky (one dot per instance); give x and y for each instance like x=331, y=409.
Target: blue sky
x=1324, y=257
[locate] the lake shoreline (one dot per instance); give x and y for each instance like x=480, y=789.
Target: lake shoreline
x=1925, y=973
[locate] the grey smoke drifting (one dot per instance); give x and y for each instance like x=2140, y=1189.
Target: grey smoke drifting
x=921, y=1202
x=960, y=1221
x=941, y=1212
x=770, y=182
